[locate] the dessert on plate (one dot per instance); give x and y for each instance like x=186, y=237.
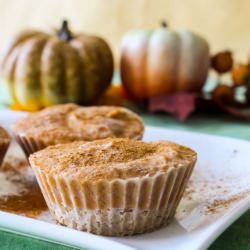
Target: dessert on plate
x=4, y=143
x=69, y=122
x=113, y=186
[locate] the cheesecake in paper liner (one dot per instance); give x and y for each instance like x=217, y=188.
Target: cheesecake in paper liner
x=114, y=194
x=69, y=122
x=208, y=195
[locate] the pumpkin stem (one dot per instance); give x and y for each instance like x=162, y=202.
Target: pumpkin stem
x=64, y=33
x=164, y=24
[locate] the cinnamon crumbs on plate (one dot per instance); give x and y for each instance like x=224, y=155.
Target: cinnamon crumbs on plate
x=26, y=197
x=218, y=204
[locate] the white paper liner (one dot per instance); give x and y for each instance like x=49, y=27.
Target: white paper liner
x=29, y=144
x=118, y=207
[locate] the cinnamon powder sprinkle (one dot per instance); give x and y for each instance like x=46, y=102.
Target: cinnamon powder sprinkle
x=213, y=205
x=29, y=201
x=218, y=204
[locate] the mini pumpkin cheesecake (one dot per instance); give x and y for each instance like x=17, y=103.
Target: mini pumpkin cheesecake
x=4, y=143
x=70, y=122
x=114, y=186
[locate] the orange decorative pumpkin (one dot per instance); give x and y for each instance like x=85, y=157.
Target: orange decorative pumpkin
x=42, y=69
x=162, y=62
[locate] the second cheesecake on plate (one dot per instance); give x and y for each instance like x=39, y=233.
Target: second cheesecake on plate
x=70, y=122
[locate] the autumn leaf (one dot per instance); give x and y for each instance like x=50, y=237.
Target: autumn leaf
x=181, y=105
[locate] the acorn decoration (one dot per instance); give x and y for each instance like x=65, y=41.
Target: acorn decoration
x=222, y=62
x=223, y=94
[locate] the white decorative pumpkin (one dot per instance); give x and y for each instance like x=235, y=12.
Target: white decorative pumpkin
x=161, y=61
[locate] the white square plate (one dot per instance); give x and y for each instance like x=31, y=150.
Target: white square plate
x=224, y=157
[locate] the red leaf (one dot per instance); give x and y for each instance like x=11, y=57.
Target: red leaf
x=181, y=105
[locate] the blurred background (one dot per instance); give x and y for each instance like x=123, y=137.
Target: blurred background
x=223, y=23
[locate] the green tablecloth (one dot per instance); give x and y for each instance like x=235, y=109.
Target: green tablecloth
x=235, y=237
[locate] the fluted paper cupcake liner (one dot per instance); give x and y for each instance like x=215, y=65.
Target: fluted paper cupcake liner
x=29, y=144
x=117, y=207
x=3, y=149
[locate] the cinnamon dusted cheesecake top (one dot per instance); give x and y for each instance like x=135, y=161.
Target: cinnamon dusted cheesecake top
x=111, y=158
x=70, y=122
x=4, y=135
